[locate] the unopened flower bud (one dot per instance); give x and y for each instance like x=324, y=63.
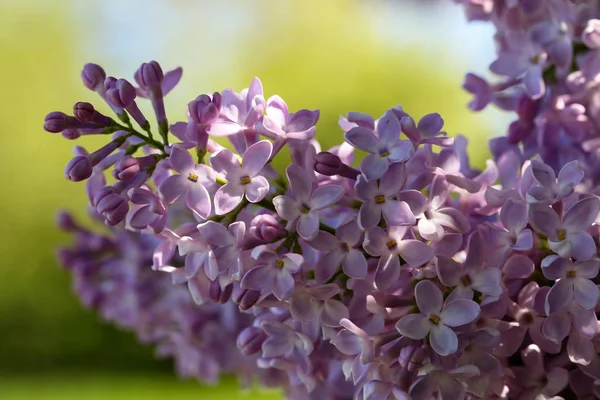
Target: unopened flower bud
x=204, y=110
x=55, y=122
x=111, y=205
x=71, y=133
x=78, y=169
x=65, y=221
x=149, y=76
x=126, y=168
x=219, y=295
x=245, y=298
x=266, y=228
x=92, y=75
x=120, y=92
x=85, y=112
x=591, y=34
x=327, y=163
x=250, y=340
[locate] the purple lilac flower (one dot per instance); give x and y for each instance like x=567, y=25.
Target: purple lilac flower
x=388, y=246
x=272, y=272
x=534, y=377
x=552, y=189
x=378, y=199
x=385, y=147
x=437, y=319
x=242, y=180
x=239, y=111
x=572, y=282
x=315, y=304
x=225, y=243
x=340, y=249
x=148, y=211
x=568, y=238
x=307, y=201
x=190, y=183
x=280, y=123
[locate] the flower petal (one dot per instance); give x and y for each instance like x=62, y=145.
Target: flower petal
x=388, y=128
x=180, y=160
x=198, y=200
x=559, y=296
x=308, y=226
x=398, y=213
x=429, y=297
x=581, y=215
x=300, y=182
x=355, y=264
x=443, y=340
x=513, y=216
x=460, y=312
x=388, y=271
x=414, y=252
x=544, y=219
x=172, y=188
x=325, y=196
x=414, y=326
x=228, y=197
x=283, y=285
x=257, y=189
x=374, y=167
x=586, y=293
x=215, y=234
x=224, y=161
x=286, y=207
x=256, y=156
x=277, y=110
x=362, y=138
x=258, y=278
x=369, y=215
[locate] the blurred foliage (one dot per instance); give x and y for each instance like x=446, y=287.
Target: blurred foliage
x=314, y=54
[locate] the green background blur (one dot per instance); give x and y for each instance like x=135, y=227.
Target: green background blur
x=337, y=56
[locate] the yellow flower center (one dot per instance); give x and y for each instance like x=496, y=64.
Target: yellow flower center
x=562, y=234
x=193, y=177
x=380, y=199
x=571, y=274
x=466, y=280
x=535, y=59
x=304, y=210
x=384, y=153
x=391, y=244
x=244, y=180
x=279, y=264
x=434, y=319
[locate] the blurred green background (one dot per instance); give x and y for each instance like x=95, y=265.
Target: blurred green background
x=337, y=55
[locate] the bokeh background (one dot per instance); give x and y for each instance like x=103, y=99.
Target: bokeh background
x=335, y=55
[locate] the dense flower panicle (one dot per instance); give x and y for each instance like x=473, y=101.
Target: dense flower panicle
x=409, y=274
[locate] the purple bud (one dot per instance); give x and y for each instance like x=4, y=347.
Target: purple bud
x=245, y=298
x=84, y=111
x=250, y=340
x=149, y=76
x=217, y=99
x=106, y=150
x=78, y=169
x=327, y=163
x=126, y=168
x=219, y=295
x=591, y=34
x=65, y=221
x=266, y=228
x=55, y=122
x=92, y=75
x=111, y=205
x=71, y=134
x=120, y=92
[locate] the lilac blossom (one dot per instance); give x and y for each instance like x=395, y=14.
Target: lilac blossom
x=568, y=237
x=225, y=244
x=273, y=273
x=239, y=111
x=388, y=246
x=437, y=319
x=572, y=282
x=307, y=201
x=242, y=180
x=385, y=147
x=340, y=250
x=280, y=123
x=190, y=183
x=378, y=199
x=550, y=188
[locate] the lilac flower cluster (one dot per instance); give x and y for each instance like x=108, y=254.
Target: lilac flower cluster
x=409, y=275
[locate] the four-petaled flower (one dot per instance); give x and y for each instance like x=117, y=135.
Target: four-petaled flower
x=273, y=272
x=302, y=208
x=386, y=147
x=242, y=180
x=190, y=183
x=436, y=319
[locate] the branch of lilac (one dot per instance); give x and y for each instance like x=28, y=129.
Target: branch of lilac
x=407, y=274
